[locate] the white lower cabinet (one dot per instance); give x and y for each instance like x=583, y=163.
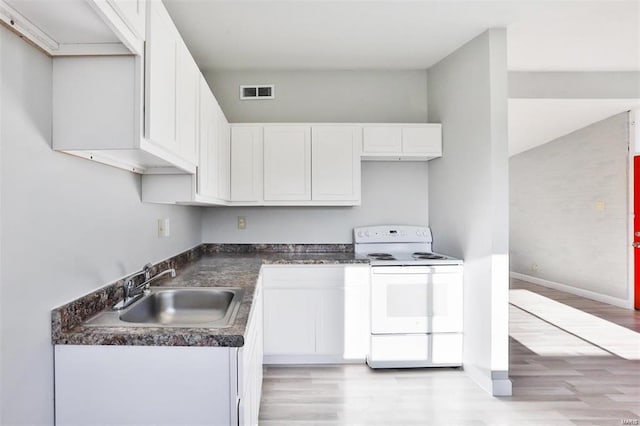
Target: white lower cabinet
x=145, y=385
x=289, y=312
x=315, y=314
x=161, y=385
x=250, y=364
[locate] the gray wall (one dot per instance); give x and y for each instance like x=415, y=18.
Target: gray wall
x=559, y=231
x=392, y=192
x=324, y=96
x=575, y=85
x=468, y=195
x=68, y=226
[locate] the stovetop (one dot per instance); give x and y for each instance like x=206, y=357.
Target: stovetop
x=391, y=258
x=398, y=245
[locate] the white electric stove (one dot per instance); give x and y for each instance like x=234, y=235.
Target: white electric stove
x=416, y=298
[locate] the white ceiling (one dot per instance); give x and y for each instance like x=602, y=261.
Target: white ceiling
x=534, y=122
x=400, y=34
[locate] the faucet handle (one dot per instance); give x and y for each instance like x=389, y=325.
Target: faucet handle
x=147, y=270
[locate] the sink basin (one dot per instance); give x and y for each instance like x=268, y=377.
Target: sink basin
x=177, y=307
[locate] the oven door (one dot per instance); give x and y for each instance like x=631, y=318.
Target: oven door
x=416, y=299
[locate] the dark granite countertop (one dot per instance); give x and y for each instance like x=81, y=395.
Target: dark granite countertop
x=204, y=266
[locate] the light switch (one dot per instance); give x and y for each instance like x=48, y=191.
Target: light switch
x=242, y=222
x=163, y=228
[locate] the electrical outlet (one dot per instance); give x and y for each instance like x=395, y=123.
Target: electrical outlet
x=164, y=228
x=534, y=267
x=242, y=222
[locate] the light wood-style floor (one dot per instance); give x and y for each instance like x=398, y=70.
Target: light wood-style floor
x=558, y=379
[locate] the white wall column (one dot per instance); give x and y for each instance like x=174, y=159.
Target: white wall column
x=468, y=187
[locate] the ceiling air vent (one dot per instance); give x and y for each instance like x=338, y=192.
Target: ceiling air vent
x=257, y=91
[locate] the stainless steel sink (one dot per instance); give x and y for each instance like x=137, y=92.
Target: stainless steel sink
x=176, y=307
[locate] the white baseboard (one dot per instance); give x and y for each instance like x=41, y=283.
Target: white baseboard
x=623, y=303
x=308, y=359
x=495, y=383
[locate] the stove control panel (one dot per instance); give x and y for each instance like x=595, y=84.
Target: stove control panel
x=392, y=234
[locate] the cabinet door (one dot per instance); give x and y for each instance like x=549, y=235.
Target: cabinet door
x=208, y=160
x=161, y=70
x=287, y=163
x=422, y=140
x=224, y=154
x=187, y=84
x=289, y=321
x=134, y=14
x=335, y=163
x=246, y=164
x=382, y=139
x=330, y=322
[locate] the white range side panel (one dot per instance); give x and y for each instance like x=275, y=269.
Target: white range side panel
x=287, y=163
x=144, y=385
x=335, y=162
x=246, y=163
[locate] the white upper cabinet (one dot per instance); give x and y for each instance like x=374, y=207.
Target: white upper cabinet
x=163, y=48
x=224, y=153
x=402, y=141
x=172, y=85
x=187, y=88
x=246, y=163
x=382, y=139
x=210, y=184
x=208, y=161
x=290, y=164
x=423, y=140
x=287, y=163
x=335, y=163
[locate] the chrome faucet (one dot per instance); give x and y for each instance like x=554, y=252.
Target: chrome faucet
x=133, y=292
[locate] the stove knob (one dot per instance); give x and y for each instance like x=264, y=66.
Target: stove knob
x=367, y=234
x=418, y=233
x=360, y=234
x=424, y=233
